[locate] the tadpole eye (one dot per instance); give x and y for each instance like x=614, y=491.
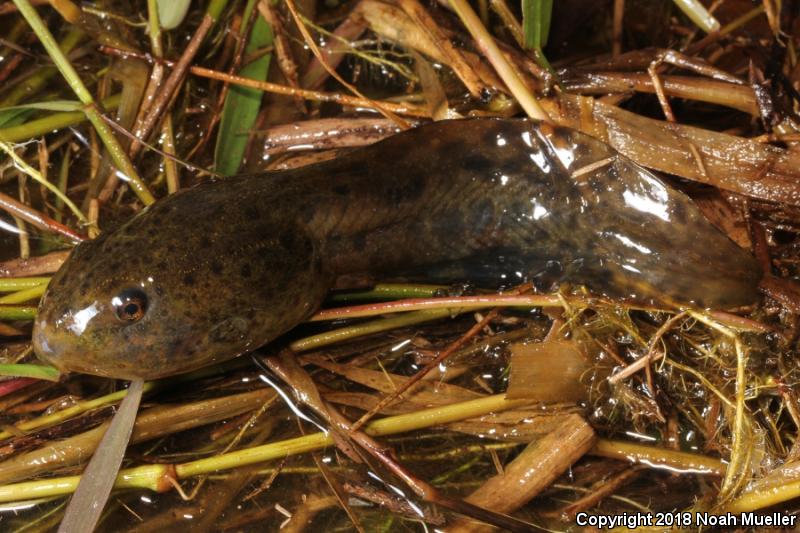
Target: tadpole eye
x=130, y=305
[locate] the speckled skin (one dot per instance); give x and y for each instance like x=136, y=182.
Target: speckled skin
x=231, y=264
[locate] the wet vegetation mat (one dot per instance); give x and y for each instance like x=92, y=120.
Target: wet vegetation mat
x=447, y=404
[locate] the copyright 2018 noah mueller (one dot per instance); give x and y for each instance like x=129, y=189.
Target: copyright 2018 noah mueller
x=686, y=520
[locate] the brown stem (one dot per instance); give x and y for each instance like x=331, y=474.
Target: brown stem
x=283, y=51
x=403, y=109
x=434, y=363
x=164, y=98
x=289, y=370
x=34, y=266
x=35, y=218
x=382, y=109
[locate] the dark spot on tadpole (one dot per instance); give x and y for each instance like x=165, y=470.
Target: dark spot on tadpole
x=188, y=279
x=216, y=267
x=489, y=137
x=679, y=213
x=246, y=271
x=159, y=290
x=405, y=192
x=477, y=163
x=342, y=190
x=287, y=240
x=251, y=212
x=205, y=242
x=602, y=278
x=414, y=188
x=307, y=213
x=359, y=240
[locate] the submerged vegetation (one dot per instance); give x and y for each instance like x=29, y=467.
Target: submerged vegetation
x=418, y=405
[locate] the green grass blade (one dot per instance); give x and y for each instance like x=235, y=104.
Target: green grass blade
x=18, y=114
x=17, y=312
x=115, y=150
x=242, y=104
x=698, y=14
x=536, y=16
x=55, y=105
x=47, y=373
x=13, y=116
x=547, y=14
x=11, y=132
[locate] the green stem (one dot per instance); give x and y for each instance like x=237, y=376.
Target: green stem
x=460, y=303
x=91, y=110
x=761, y=498
x=88, y=405
x=698, y=14
x=24, y=295
x=36, y=175
x=368, y=328
x=50, y=123
x=215, y=8
x=390, y=291
x=18, y=284
x=656, y=456
x=69, y=412
x=153, y=477
x=47, y=373
x=17, y=312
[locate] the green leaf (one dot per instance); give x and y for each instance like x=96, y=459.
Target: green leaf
x=30, y=371
x=11, y=116
x=54, y=105
x=698, y=14
x=16, y=115
x=547, y=16
x=22, y=131
x=242, y=104
x=536, y=16
x=172, y=12
x=17, y=312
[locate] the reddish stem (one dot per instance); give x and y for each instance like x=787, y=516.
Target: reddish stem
x=12, y=385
